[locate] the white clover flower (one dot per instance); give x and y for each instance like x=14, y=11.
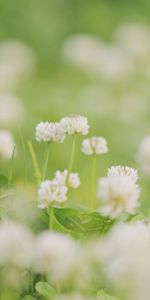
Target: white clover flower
x=143, y=155
x=75, y=125
x=94, y=145
x=119, y=194
x=123, y=171
x=51, y=191
x=50, y=132
x=7, y=144
x=56, y=254
x=125, y=253
x=72, y=180
x=16, y=245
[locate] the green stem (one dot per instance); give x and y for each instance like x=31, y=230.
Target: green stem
x=11, y=167
x=45, y=166
x=72, y=154
x=37, y=172
x=51, y=217
x=24, y=153
x=93, y=182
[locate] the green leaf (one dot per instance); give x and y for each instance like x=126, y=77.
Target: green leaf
x=45, y=290
x=80, y=221
x=3, y=181
x=102, y=295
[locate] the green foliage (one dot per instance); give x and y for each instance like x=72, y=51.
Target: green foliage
x=45, y=290
x=82, y=222
x=3, y=181
x=102, y=295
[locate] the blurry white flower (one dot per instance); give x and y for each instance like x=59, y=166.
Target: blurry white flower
x=125, y=252
x=51, y=191
x=56, y=254
x=73, y=179
x=84, y=51
x=11, y=109
x=123, y=171
x=7, y=144
x=48, y=132
x=94, y=145
x=75, y=125
x=16, y=245
x=119, y=194
x=95, y=56
x=135, y=38
x=116, y=63
x=143, y=155
x=16, y=60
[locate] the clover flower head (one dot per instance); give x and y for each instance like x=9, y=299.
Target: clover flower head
x=73, y=179
x=51, y=191
x=50, y=132
x=123, y=171
x=119, y=194
x=75, y=125
x=94, y=145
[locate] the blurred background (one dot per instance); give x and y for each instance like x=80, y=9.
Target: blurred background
x=65, y=57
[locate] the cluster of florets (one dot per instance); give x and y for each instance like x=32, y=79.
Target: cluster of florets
x=119, y=191
x=55, y=190
x=56, y=132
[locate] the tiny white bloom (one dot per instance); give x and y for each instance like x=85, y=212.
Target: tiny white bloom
x=143, y=155
x=51, y=191
x=123, y=171
x=119, y=194
x=94, y=145
x=50, y=132
x=73, y=179
x=7, y=144
x=75, y=125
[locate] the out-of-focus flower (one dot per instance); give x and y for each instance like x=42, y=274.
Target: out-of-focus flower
x=11, y=109
x=16, y=60
x=123, y=171
x=125, y=253
x=143, y=155
x=56, y=254
x=75, y=125
x=16, y=245
x=84, y=51
x=7, y=144
x=51, y=191
x=50, y=132
x=94, y=145
x=95, y=56
x=73, y=179
x=119, y=194
x=135, y=38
